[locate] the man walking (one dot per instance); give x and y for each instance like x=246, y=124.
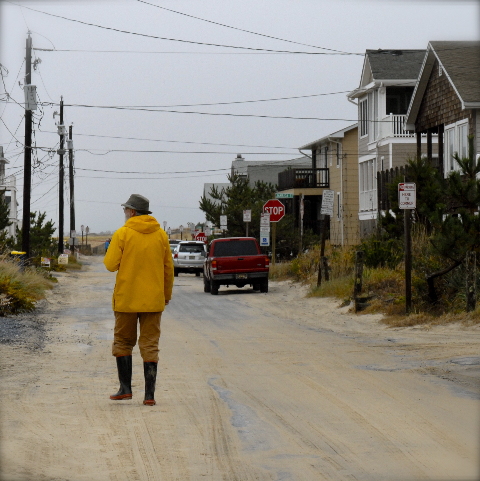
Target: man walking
x=140, y=251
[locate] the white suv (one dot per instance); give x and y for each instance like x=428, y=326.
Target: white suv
x=189, y=256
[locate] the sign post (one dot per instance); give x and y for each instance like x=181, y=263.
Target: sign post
x=328, y=199
x=247, y=217
x=181, y=232
x=264, y=230
x=276, y=210
x=302, y=211
x=82, y=227
x=407, y=200
x=223, y=224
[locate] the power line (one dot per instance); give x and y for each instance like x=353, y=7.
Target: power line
x=246, y=31
x=173, y=39
x=173, y=52
x=174, y=141
x=155, y=173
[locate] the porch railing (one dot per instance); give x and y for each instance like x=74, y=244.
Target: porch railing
x=307, y=178
x=368, y=200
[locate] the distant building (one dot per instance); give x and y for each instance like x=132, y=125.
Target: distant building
x=207, y=188
x=267, y=170
x=8, y=189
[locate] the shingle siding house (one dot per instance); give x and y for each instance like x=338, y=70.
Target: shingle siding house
x=446, y=99
x=386, y=86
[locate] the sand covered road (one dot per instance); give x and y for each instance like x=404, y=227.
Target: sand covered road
x=250, y=387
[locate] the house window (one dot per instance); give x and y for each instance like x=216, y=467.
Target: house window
x=367, y=185
x=456, y=142
x=338, y=205
x=363, y=118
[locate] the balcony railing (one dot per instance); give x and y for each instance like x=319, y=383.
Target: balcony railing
x=368, y=200
x=306, y=178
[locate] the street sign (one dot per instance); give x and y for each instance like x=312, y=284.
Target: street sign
x=73, y=241
x=328, y=199
x=87, y=230
x=164, y=224
x=208, y=231
x=247, y=216
x=275, y=208
x=82, y=227
x=181, y=228
x=63, y=259
x=407, y=198
x=281, y=195
x=201, y=237
x=73, y=233
x=223, y=220
x=265, y=221
x=264, y=240
x=169, y=231
x=45, y=261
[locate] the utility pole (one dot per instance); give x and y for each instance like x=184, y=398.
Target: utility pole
x=27, y=163
x=71, y=179
x=61, y=176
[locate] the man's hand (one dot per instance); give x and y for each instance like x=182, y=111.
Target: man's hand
x=166, y=303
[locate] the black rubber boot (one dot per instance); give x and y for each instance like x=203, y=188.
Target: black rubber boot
x=150, y=373
x=124, y=367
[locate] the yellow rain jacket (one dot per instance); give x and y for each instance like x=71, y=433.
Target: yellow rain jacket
x=140, y=251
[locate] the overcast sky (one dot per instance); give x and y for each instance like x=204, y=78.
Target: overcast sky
x=177, y=76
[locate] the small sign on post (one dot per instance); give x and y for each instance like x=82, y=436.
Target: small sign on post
x=63, y=259
x=45, y=261
x=247, y=217
x=407, y=198
x=328, y=199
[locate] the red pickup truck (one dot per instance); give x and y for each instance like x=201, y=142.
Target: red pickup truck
x=235, y=261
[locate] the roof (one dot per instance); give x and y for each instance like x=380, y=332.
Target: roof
x=395, y=64
x=461, y=63
x=388, y=68
x=339, y=134
x=248, y=163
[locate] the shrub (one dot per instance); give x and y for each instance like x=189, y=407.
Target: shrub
x=19, y=291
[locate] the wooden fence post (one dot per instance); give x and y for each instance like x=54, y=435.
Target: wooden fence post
x=471, y=271
x=357, y=289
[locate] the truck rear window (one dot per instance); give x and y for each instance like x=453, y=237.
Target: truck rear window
x=235, y=248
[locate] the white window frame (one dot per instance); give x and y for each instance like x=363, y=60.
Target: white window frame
x=453, y=144
x=363, y=114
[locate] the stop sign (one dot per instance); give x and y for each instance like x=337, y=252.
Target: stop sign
x=275, y=208
x=201, y=237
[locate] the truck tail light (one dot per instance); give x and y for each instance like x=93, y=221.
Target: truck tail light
x=176, y=255
x=214, y=265
x=267, y=262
